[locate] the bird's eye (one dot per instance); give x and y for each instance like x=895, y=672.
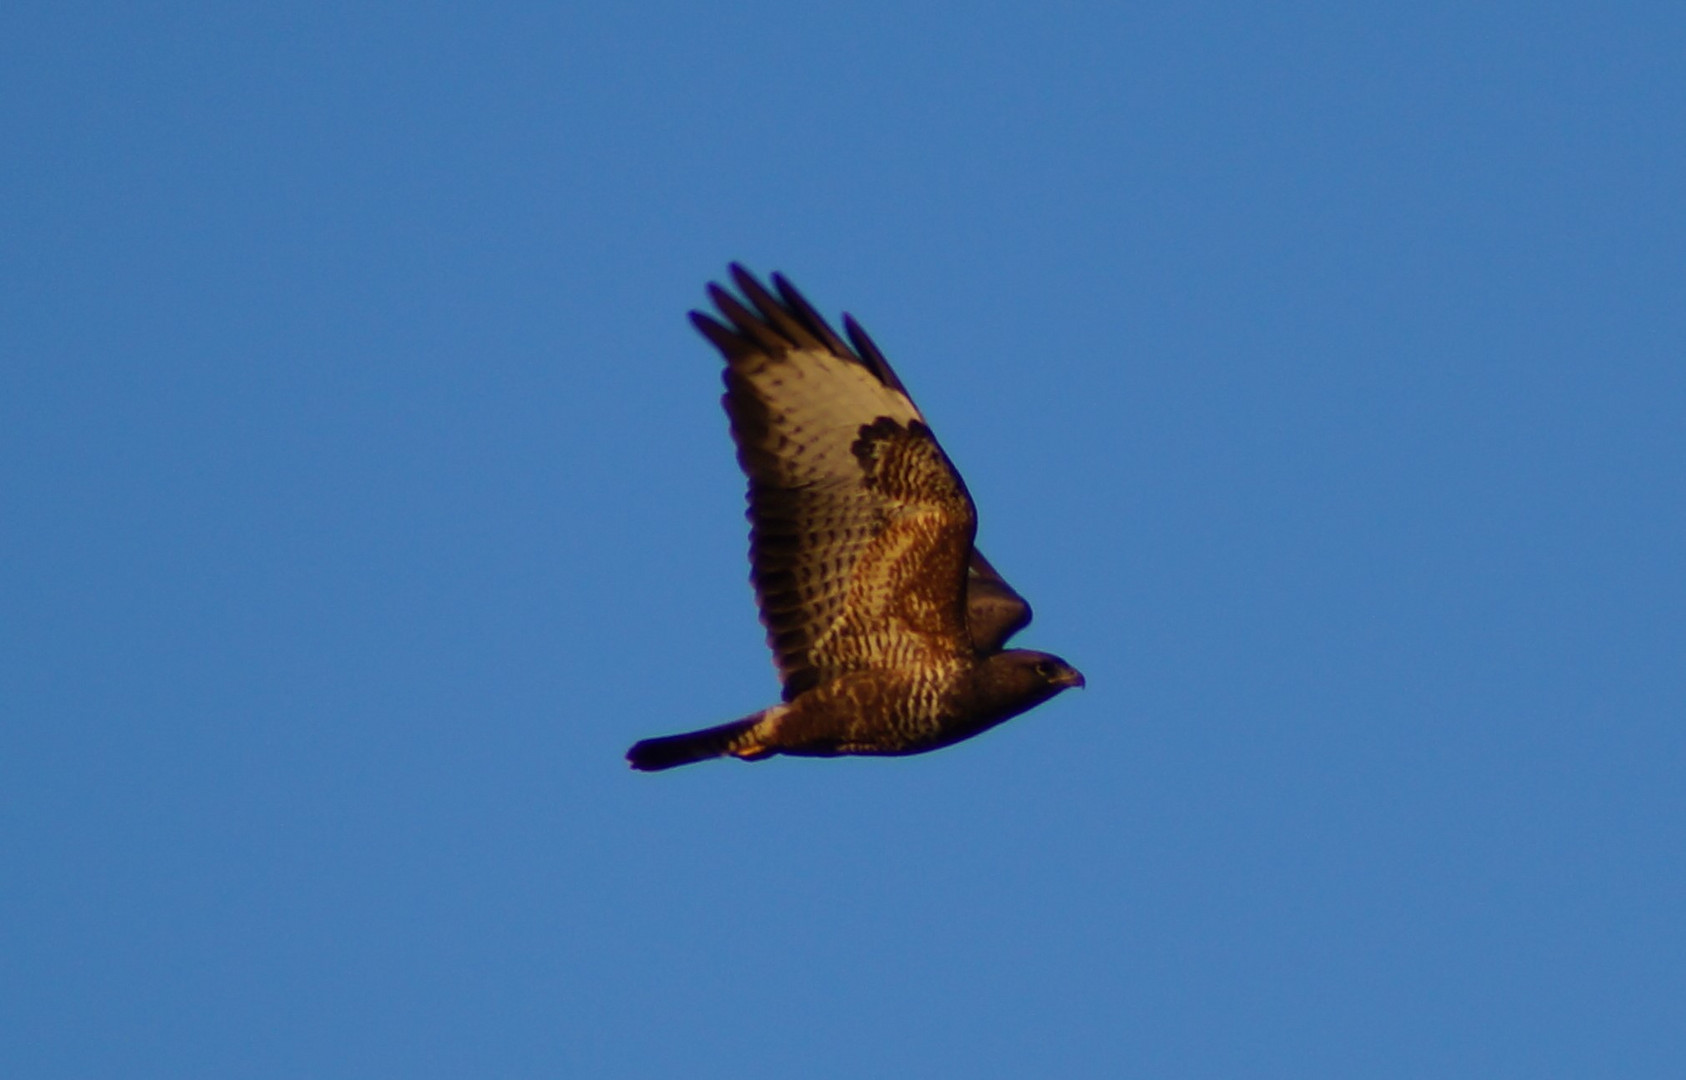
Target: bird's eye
x=1044, y=669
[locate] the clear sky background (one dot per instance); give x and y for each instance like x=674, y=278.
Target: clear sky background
x=1320, y=373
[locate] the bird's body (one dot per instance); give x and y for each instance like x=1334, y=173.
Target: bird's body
x=885, y=624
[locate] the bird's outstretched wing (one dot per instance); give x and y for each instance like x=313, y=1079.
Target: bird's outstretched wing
x=861, y=529
x=994, y=612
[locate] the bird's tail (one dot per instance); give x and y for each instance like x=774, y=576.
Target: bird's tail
x=668, y=751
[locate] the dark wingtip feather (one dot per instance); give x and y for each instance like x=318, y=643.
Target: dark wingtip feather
x=720, y=335
x=743, y=279
x=809, y=316
x=775, y=313
x=870, y=354
x=783, y=318
x=748, y=324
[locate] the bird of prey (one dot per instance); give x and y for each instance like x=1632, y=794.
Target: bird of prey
x=886, y=625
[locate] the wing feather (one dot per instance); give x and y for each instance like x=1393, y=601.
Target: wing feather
x=994, y=611
x=861, y=529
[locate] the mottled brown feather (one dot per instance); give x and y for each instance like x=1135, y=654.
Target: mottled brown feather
x=861, y=530
x=994, y=610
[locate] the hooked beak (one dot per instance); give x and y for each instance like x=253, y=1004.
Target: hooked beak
x=1070, y=677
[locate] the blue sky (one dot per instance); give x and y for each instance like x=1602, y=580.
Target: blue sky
x=1320, y=374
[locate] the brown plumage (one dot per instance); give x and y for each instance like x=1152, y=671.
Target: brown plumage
x=886, y=625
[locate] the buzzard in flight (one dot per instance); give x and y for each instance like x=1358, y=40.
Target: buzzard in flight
x=887, y=626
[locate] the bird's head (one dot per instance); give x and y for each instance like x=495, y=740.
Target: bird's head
x=1025, y=677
